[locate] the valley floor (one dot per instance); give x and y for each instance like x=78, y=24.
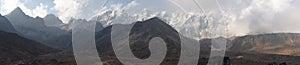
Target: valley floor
x=67, y=58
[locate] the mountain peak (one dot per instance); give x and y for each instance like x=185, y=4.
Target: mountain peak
x=50, y=15
x=154, y=18
x=156, y=21
x=51, y=20
x=17, y=10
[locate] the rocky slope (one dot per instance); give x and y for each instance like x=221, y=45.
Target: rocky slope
x=274, y=43
x=6, y=26
x=14, y=47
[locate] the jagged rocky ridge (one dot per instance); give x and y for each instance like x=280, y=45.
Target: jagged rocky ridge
x=36, y=29
x=14, y=47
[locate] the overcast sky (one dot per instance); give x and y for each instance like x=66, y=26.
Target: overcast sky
x=246, y=16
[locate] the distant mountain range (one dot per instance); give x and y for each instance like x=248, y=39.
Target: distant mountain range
x=14, y=47
x=273, y=43
x=143, y=31
x=48, y=30
x=208, y=26
x=22, y=35
x=52, y=32
x=139, y=37
x=36, y=28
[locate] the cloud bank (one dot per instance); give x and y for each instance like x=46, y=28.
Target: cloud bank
x=265, y=16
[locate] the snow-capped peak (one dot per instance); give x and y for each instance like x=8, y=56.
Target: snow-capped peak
x=193, y=25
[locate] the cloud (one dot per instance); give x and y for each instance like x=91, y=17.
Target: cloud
x=67, y=9
x=83, y=9
x=8, y=5
x=253, y=16
x=262, y=16
x=41, y=10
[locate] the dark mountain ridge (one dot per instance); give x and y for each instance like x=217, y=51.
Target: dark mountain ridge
x=14, y=47
x=6, y=26
x=139, y=37
x=35, y=28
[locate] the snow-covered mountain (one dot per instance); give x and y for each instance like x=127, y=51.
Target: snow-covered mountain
x=139, y=39
x=48, y=30
x=83, y=23
x=193, y=25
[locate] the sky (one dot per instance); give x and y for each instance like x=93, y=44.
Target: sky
x=245, y=16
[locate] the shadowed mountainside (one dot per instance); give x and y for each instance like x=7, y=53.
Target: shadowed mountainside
x=6, y=26
x=15, y=47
